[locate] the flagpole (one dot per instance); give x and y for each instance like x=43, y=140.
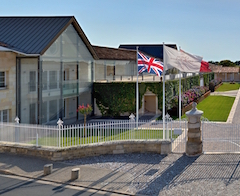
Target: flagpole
x=163, y=109
x=137, y=96
x=180, y=97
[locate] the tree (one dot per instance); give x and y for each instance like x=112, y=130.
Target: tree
x=214, y=62
x=237, y=62
x=227, y=63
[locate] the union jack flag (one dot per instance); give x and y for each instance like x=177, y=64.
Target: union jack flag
x=149, y=64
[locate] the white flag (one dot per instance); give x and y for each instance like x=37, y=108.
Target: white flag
x=181, y=60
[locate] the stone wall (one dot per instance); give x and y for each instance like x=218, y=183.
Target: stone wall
x=8, y=94
x=57, y=154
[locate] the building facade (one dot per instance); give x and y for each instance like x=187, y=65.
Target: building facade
x=7, y=86
x=48, y=66
x=47, y=80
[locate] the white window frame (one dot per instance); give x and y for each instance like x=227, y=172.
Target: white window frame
x=1, y=115
x=5, y=85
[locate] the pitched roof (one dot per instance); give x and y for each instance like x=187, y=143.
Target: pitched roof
x=34, y=35
x=221, y=69
x=154, y=50
x=114, y=53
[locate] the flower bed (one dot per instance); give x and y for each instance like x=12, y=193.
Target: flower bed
x=196, y=94
x=189, y=106
x=216, y=87
x=189, y=96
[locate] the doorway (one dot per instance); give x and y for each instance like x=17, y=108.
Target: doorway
x=150, y=105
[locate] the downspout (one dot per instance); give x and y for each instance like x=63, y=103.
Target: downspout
x=18, y=89
x=39, y=120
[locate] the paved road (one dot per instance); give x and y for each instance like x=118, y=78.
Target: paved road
x=232, y=93
x=12, y=186
x=144, y=174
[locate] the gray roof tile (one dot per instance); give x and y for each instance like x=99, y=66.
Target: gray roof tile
x=31, y=35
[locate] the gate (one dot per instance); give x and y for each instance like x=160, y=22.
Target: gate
x=179, y=136
x=220, y=137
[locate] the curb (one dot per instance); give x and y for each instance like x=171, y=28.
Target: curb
x=7, y=172
x=234, y=107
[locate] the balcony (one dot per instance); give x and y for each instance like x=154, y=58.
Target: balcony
x=70, y=88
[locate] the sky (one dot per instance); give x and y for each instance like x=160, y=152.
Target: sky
x=208, y=28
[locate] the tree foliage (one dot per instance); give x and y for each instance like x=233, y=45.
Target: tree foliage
x=225, y=63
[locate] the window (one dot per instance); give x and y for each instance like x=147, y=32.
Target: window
x=4, y=115
x=2, y=79
x=44, y=80
x=32, y=81
x=53, y=79
x=53, y=110
x=44, y=112
x=110, y=71
x=50, y=80
x=33, y=113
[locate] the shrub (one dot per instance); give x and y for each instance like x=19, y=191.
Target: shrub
x=213, y=84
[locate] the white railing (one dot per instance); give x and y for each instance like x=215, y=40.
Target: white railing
x=77, y=135
x=29, y=134
x=220, y=137
x=144, y=78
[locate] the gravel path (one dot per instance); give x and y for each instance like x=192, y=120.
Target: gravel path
x=174, y=174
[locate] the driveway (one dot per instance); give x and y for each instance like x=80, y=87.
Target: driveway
x=226, y=93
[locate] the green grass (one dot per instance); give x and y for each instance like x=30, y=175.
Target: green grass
x=216, y=108
x=228, y=87
x=73, y=140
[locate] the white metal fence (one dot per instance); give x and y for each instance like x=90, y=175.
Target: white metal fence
x=220, y=137
x=76, y=135
x=29, y=134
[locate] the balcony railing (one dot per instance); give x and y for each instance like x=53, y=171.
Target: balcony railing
x=142, y=78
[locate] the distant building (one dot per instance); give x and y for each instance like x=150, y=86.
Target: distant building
x=226, y=74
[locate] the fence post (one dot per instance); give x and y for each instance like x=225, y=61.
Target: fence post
x=132, y=120
x=37, y=139
x=168, y=119
x=194, y=143
x=60, y=128
x=17, y=129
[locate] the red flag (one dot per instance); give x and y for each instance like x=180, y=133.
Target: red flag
x=205, y=67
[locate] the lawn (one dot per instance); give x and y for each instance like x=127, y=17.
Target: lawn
x=228, y=87
x=72, y=140
x=216, y=108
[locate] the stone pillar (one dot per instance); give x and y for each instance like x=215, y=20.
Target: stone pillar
x=194, y=142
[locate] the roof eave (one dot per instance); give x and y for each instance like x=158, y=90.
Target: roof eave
x=84, y=38
x=5, y=49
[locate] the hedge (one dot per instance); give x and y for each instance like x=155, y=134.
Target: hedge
x=116, y=98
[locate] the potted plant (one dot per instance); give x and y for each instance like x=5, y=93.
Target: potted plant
x=85, y=110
